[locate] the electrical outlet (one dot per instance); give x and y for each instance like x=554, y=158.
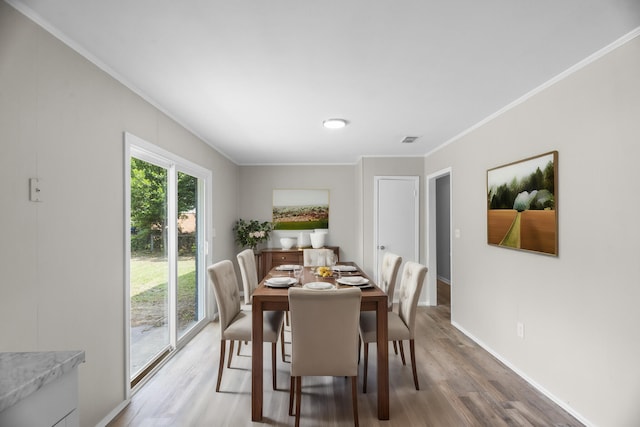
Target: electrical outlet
x=520, y=330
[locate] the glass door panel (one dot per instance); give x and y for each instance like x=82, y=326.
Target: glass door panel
x=189, y=305
x=149, y=267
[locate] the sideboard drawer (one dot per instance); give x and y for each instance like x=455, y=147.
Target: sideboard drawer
x=285, y=258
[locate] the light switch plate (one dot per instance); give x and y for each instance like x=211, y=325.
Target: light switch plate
x=35, y=190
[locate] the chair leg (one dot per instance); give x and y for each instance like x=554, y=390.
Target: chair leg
x=402, y=352
x=230, y=353
x=354, y=397
x=395, y=347
x=366, y=363
x=412, y=348
x=239, y=346
x=292, y=390
x=223, y=345
x=286, y=318
x=298, y=398
x=273, y=364
x=282, y=343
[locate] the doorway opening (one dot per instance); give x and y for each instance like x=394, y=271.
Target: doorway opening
x=439, y=243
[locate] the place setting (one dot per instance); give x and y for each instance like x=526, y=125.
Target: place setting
x=359, y=281
x=285, y=281
x=280, y=282
x=319, y=286
x=345, y=269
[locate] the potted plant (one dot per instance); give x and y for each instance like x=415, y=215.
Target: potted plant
x=250, y=233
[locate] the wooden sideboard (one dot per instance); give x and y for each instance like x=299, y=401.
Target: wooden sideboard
x=272, y=257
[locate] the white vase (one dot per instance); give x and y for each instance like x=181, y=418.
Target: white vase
x=303, y=240
x=317, y=239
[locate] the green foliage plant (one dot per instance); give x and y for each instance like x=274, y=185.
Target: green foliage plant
x=250, y=233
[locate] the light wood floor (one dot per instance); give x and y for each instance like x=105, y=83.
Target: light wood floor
x=461, y=385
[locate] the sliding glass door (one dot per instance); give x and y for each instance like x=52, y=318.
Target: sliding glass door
x=167, y=253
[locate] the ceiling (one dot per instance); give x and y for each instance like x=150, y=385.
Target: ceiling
x=256, y=78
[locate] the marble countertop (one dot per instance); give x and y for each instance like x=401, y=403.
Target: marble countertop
x=24, y=373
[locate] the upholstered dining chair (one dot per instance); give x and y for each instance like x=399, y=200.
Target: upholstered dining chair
x=317, y=257
x=235, y=324
x=249, y=274
x=324, y=327
x=388, y=275
x=401, y=324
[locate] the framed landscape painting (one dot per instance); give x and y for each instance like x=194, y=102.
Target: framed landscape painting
x=300, y=209
x=522, y=202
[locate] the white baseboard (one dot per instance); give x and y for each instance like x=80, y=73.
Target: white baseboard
x=113, y=414
x=534, y=384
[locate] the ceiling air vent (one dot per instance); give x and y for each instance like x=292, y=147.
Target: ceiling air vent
x=409, y=139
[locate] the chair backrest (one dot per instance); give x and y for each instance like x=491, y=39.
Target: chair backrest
x=324, y=331
x=317, y=257
x=413, y=275
x=389, y=274
x=225, y=288
x=248, y=272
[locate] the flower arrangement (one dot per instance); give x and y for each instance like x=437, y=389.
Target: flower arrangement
x=250, y=233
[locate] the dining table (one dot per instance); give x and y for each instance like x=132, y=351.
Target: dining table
x=266, y=298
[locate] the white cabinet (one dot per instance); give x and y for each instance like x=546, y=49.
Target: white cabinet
x=46, y=391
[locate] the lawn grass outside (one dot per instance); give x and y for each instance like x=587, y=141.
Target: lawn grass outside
x=148, y=290
x=147, y=272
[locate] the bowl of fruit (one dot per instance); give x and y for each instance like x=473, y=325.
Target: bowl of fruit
x=324, y=272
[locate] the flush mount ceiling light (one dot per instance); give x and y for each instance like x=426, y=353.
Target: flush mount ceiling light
x=334, y=123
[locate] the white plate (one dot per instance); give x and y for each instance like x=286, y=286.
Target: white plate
x=319, y=286
x=353, y=281
x=280, y=282
x=287, y=267
x=344, y=268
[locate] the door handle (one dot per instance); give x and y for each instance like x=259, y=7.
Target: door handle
x=382, y=247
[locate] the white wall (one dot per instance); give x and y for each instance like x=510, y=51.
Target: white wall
x=580, y=310
x=256, y=198
x=61, y=261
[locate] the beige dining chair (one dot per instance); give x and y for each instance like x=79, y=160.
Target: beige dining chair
x=401, y=324
x=388, y=275
x=317, y=257
x=249, y=274
x=235, y=324
x=324, y=327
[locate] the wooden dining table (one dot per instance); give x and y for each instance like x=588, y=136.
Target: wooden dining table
x=277, y=299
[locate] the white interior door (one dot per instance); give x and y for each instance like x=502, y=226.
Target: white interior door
x=396, y=218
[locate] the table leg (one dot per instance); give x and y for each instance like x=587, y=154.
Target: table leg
x=256, y=361
x=383, y=360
